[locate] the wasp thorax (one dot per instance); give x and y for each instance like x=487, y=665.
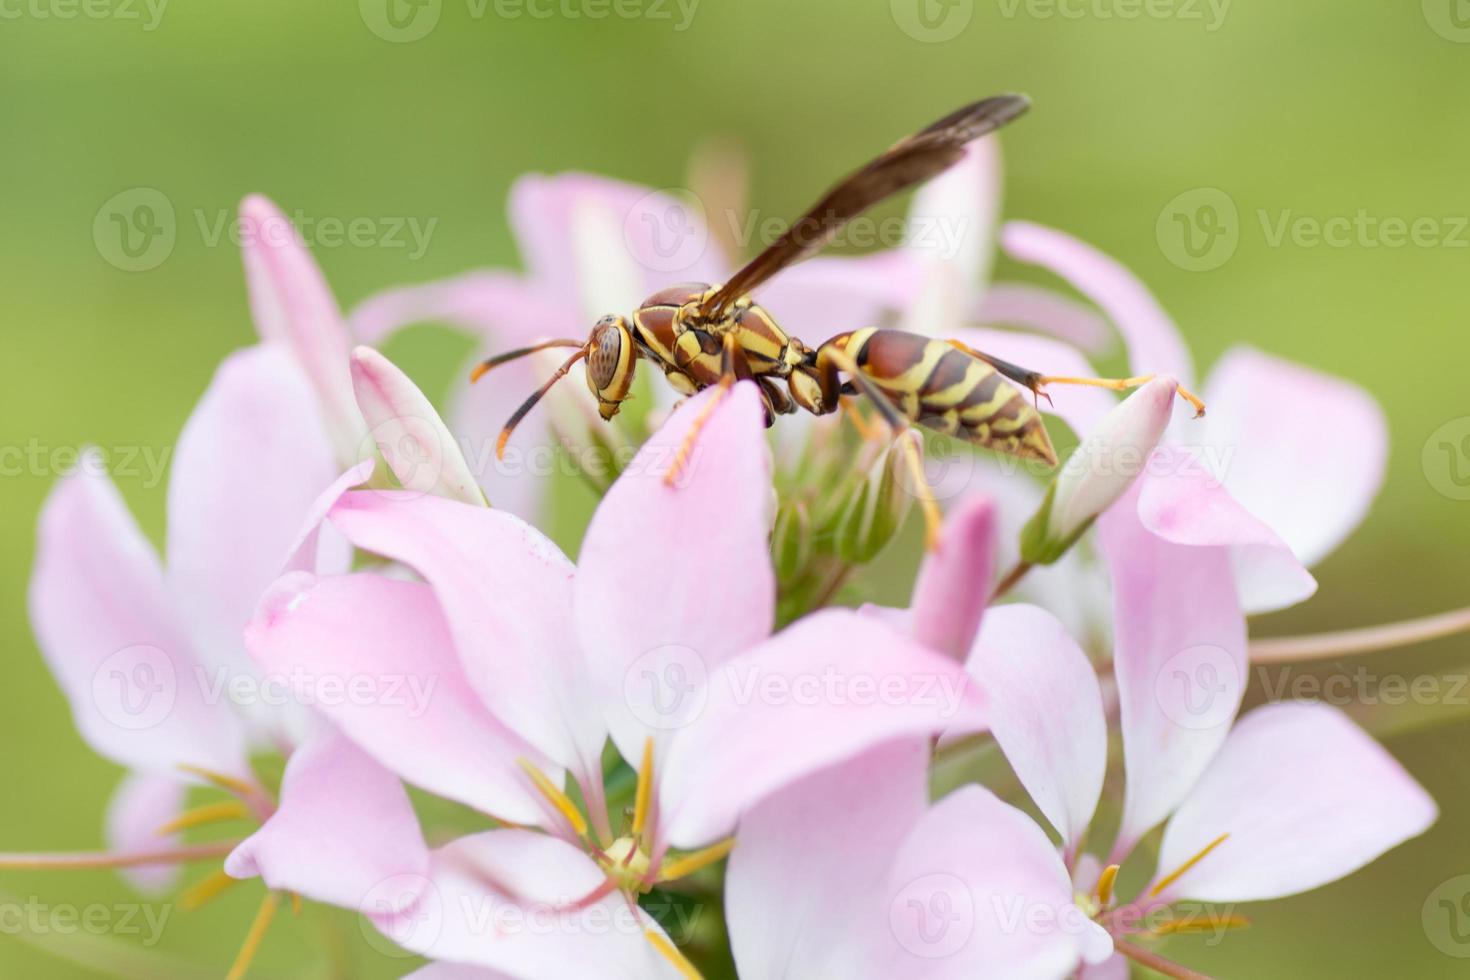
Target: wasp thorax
x=610, y=363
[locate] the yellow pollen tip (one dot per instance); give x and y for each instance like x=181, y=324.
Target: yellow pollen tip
x=690, y=863
x=676, y=959
x=557, y=798
x=644, y=796
x=1180, y=871
x=202, y=815
x=254, y=937
x=1105, y=883
x=207, y=890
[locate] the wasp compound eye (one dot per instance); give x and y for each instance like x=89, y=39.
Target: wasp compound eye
x=606, y=356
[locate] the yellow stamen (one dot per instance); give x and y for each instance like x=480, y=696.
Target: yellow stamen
x=1179, y=871
x=560, y=800
x=207, y=814
x=1105, y=884
x=254, y=937
x=677, y=959
x=933, y=519
x=1200, y=923
x=207, y=889
x=855, y=416
x=645, y=789
x=295, y=903
x=231, y=783
x=690, y=863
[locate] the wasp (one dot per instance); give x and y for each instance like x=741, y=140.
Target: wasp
x=701, y=335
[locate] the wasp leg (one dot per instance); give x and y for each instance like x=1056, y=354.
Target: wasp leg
x=1031, y=380
x=896, y=421
x=729, y=373
x=1123, y=384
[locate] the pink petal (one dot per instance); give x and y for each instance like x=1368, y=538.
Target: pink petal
x=500, y=900
x=250, y=462
x=140, y=805
x=1080, y=406
x=1115, y=967
x=1181, y=501
x=459, y=971
x=503, y=308
x=953, y=217
x=703, y=541
x=1311, y=483
x=827, y=688
x=1179, y=657
x=824, y=845
x=1306, y=797
x=408, y=433
x=293, y=306
x=954, y=583
x=977, y=890
x=344, y=824
x=311, y=539
x=106, y=625
x=1046, y=712
x=376, y=657
x=1154, y=343
x=520, y=482
x=656, y=234
x=1016, y=304
x=506, y=592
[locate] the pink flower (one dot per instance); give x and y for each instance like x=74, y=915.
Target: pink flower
x=659, y=638
x=146, y=652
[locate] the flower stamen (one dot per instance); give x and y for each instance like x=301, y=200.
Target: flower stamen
x=206, y=890
x=203, y=815
x=1105, y=883
x=644, y=798
x=1180, y=871
x=254, y=937
x=1200, y=923
x=690, y=863
x=559, y=800
x=677, y=959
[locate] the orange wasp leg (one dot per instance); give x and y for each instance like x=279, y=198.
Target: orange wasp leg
x=728, y=377
x=1123, y=384
x=932, y=518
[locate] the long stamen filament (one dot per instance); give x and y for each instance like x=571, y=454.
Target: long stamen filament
x=85, y=860
x=1203, y=923
x=202, y=815
x=644, y=797
x=556, y=797
x=676, y=959
x=1365, y=640
x=254, y=938
x=207, y=890
x=690, y=863
x=1180, y=871
x=1156, y=962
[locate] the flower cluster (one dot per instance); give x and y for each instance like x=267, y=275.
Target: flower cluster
x=686, y=718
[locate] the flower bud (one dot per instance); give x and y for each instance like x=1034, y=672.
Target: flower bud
x=407, y=433
x=876, y=506
x=1099, y=471
x=791, y=540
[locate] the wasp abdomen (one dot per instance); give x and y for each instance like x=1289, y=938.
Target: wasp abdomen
x=947, y=390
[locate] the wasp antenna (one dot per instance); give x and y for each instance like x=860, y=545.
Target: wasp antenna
x=530, y=403
x=484, y=366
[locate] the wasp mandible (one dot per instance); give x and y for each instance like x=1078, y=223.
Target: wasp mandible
x=703, y=335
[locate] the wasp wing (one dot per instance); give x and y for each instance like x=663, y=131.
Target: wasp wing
x=908, y=163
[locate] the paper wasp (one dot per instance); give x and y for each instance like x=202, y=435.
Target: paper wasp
x=703, y=335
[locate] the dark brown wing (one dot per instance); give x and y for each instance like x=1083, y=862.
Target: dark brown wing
x=910, y=162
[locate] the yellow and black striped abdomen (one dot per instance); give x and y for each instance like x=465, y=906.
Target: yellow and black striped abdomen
x=947, y=390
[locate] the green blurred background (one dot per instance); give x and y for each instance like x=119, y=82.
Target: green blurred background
x=1311, y=107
